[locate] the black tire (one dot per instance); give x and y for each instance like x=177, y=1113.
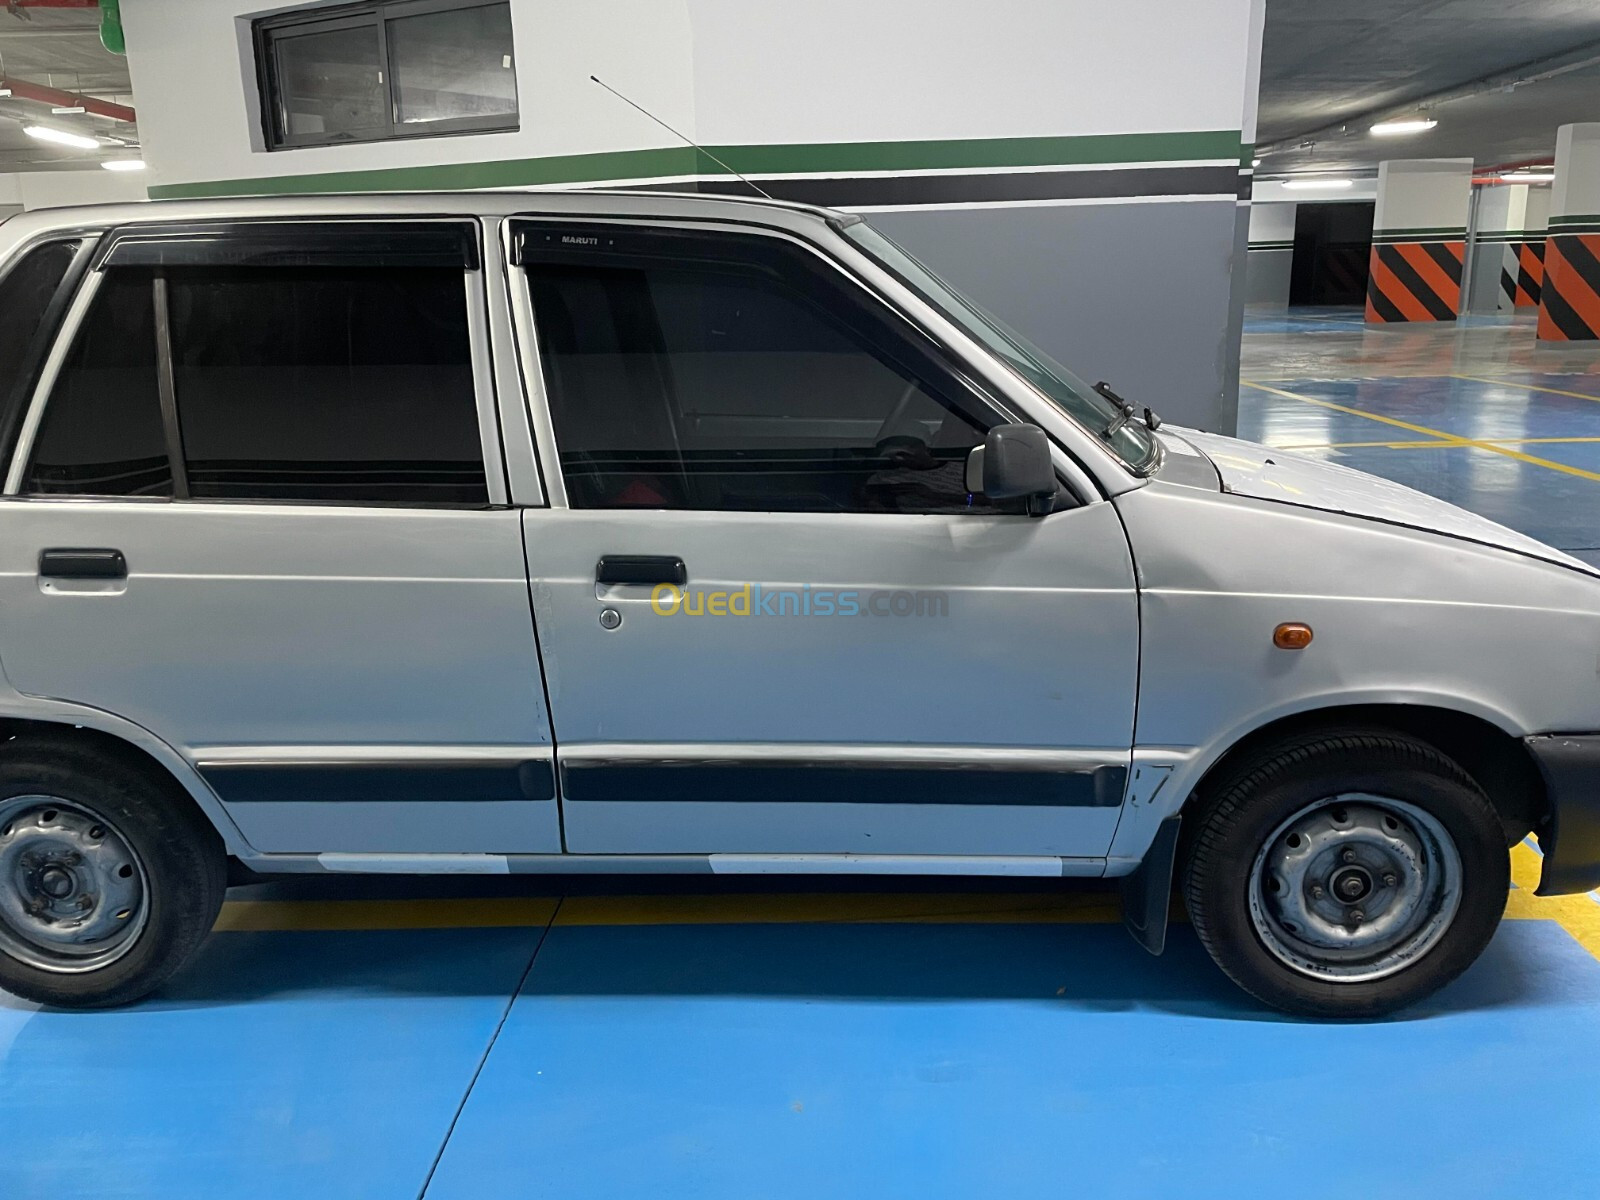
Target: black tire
x=1235, y=820
x=182, y=859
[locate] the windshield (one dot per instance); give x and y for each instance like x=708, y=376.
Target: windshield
x=1133, y=443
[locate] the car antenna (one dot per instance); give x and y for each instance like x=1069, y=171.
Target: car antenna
x=682, y=137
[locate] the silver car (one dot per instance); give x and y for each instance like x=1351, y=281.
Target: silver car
x=630, y=532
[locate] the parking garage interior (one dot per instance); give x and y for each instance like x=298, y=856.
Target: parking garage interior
x=1366, y=235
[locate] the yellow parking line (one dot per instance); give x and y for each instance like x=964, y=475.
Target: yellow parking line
x=1578, y=915
x=264, y=915
x=849, y=908
x=1527, y=387
x=1448, y=438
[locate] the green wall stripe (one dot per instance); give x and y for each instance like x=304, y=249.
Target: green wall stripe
x=818, y=158
x=1412, y=235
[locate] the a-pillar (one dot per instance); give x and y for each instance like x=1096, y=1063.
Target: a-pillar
x=1419, y=239
x=1507, y=259
x=1569, y=307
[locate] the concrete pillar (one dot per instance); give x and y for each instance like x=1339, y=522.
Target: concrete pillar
x=1569, y=306
x=1506, y=263
x=1270, y=256
x=1419, y=232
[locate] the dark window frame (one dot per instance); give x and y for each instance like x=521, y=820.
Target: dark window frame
x=15, y=413
x=244, y=243
x=267, y=31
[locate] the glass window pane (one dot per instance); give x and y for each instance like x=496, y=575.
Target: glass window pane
x=330, y=83
x=453, y=65
x=739, y=387
x=25, y=293
x=102, y=434
x=343, y=384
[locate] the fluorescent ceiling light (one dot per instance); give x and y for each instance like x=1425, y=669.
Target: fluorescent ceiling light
x=1255, y=162
x=1318, y=183
x=61, y=137
x=68, y=108
x=1409, y=125
x=1527, y=177
x=124, y=164
x=5, y=91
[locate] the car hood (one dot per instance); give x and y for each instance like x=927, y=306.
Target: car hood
x=1262, y=473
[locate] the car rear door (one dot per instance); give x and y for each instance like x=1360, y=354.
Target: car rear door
x=258, y=507
x=776, y=627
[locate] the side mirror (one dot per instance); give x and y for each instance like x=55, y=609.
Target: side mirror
x=1014, y=463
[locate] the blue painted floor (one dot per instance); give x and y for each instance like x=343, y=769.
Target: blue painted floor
x=798, y=1044
x=795, y=1060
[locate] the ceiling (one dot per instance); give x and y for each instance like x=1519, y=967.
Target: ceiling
x=1353, y=61
x=60, y=48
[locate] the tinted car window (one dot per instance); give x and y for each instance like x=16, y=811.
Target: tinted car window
x=733, y=375
x=336, y=383
x=102, y=434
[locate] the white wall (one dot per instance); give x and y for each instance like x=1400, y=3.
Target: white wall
x=1271, y=222
x=735, y=72
x=1537, y=214
x=59, y=189
x=1576, y=190
x=1423, y=193
x=1268, y=191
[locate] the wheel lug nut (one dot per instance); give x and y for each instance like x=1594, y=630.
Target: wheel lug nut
x=1390, y=880
x=1316, y=891
x=1357, y=916
x=1348, y=856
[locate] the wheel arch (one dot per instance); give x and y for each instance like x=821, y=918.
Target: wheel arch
x=1497, y=760
x=140, y=749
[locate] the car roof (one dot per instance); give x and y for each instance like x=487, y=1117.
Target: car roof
x=565, y=202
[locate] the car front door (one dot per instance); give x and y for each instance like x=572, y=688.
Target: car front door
x=776, y=627
x=257, y=507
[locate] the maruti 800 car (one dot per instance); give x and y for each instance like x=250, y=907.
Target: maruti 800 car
x=629, y=532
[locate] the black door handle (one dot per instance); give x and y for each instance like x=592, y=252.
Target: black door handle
x=641, y=568
x=83, y=564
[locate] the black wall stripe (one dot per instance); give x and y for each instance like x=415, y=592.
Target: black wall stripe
x=1508, y=285
x=1570, y=323
x=1381, y=304
x=1579, y=259
x=978, y=188
x=1424, y=295
x=807, y=782
x=1445, y=257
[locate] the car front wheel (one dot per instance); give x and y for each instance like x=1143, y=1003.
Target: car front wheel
x=1346, y=874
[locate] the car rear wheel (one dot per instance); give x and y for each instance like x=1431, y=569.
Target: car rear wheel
x=109, y=878
x=1346, y=874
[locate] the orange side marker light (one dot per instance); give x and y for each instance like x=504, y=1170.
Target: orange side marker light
x=1291, y=635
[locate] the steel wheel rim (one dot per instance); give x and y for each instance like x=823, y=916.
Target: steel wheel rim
x=1355, y=887
x=74, y=896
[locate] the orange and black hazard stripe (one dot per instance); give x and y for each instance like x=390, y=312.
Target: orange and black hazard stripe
x=1530, y=274
x=1415, y=275
x=1569, y=304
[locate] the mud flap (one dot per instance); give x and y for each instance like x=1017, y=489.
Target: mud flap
x=1147, y=893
